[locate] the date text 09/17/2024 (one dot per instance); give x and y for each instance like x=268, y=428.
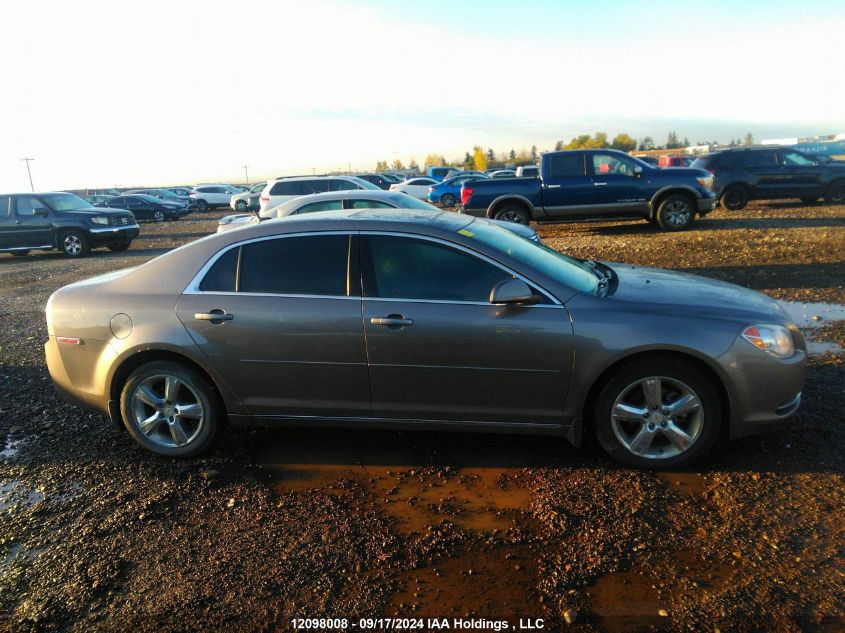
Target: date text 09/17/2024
x=416, y=624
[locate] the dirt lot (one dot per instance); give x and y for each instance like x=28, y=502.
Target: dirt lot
x=276, y=524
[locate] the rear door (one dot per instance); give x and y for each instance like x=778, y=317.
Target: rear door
x=768, y=178
x=439, y=350
x=566, y=187
x=280, y=320
x=6, y=221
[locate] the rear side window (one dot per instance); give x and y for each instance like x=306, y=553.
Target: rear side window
x=408, y=268
x=4, y=206
x=566, y=166
x=307, y=265
x=326, y=205
x=222, y=275
x=341, y=185
x=283, y=188
x=762, y=159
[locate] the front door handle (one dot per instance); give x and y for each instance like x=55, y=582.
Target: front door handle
x=393, y=321
x=215, y=316
x=600, y=184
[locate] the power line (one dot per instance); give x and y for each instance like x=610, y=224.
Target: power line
x=29, y=173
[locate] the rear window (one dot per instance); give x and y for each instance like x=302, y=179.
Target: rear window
x=566, y=166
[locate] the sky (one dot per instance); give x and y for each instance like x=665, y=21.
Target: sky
x=178, y=92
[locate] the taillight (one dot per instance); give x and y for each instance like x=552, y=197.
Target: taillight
x=466, y=194
x=264, y=198
x=712, y=171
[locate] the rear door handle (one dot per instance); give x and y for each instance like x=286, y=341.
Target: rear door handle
x=392, y=321
x=215, y=316
x=552, y=186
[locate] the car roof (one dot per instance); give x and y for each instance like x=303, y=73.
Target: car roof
x=272, y=180
x=348, y=194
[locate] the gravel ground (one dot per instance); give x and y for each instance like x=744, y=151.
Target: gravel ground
x=275, y=524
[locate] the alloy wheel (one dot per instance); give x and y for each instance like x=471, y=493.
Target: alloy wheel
x=72, y=244
x=158, y=216
x=167, y=410
x=678, y=213
x=511, y=216
x=657, y=418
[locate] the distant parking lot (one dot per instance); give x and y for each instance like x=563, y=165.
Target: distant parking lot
x=277, y=524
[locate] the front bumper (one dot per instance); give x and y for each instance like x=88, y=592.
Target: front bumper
x=706, y=205
x=112, y=234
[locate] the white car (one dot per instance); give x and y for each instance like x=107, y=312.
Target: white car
x=281, y=190
x=417, y=187
x=503, y=173
x=208, y=196
x=240, y=202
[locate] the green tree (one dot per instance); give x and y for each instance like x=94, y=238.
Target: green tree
x=434, y=160
x=413, y=165
x=672, y=141
x=559, y=146
x=646, y=144
x=512, y=154
x=686, y=142
x=749, y=139
x=479, y=158
x=534, y=153
x=623, y=142
x=469, y=162
x=491, y=155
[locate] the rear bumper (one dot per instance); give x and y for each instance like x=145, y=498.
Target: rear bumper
x=75, y=370
x=478, y=213
x=112, y=234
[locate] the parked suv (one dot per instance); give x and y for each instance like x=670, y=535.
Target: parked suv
x=588, y=184
x=764, y=173
x=283, y=189
x=44, y=221
x=208, y=196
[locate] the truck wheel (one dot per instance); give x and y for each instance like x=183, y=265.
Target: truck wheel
x=447, y=200
x=836, y=193
x=675, y=213
x=734, y=198
x=120, y=246
x=512, y=213
x=73, y=243
x=202, y=205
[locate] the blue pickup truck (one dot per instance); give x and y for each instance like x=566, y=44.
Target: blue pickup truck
x=590, y=184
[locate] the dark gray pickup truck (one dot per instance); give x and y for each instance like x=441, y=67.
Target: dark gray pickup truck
x=587, y=184
x=63, y=221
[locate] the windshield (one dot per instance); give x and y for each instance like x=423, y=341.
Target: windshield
x=566, y=270
x=66, y=202
x=363, y=184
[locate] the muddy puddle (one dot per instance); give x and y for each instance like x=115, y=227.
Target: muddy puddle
x=691, y=485
x=472, y=487
x=809, y=316
x=9, y=449
x=499, y=582
x=15, y=494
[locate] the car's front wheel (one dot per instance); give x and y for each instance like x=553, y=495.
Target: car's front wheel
x=240, y=206
x=202, y=205
x=659, y=413
x=675, y=213
x=73, y=243
x=170, y=409
x=159, y=215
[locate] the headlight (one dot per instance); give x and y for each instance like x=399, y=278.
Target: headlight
x=99, y=219
x=775, y=339
x=706, y=182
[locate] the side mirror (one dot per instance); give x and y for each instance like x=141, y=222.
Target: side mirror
x=513, y=292
x=638, y=171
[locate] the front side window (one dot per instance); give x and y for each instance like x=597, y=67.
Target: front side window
x=326, y=205
x=796, y=159
x=409, y=268
x=306, y=265
x=27, y=205
x=342, y=185
x=566, y=166
x=115, y=202
x=610, y=164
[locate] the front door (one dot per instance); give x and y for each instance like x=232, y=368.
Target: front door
x=617, y=189
x=768, y=178
x=280, y=321
x=439, y=350
x=31, y=225
x=803, y=176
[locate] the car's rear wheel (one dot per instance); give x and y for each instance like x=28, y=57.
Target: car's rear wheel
x=240, y=206
x=836, y=193
x=170, y=409
x=734, y=198
x=120, y=246
x=202, y=205
x=19, y=253
x=512, y=213
x=675, y=213
x=159, y=215
x=73, y=243
x=447, y=200
x=659, y=413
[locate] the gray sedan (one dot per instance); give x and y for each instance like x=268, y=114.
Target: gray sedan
x=407, y=319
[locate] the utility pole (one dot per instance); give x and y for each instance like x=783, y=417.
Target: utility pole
x=29, y=173
x=348, y=169
x=313, y=171
x=246, y=173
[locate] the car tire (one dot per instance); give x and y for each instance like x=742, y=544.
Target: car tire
x=835, y=193
x=159, y=216
x=150, y=403
x=73, y=243
x=512, y=213
x=19, y=253
x=202, y=205
x=633, y=428
x=241, y=206
x=120, y=246
x=734, y=198
x=675, y=212
x=447, y=200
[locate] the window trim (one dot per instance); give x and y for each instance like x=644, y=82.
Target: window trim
x=194, y=289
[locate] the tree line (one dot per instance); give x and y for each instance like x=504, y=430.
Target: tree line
x=480, y=159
